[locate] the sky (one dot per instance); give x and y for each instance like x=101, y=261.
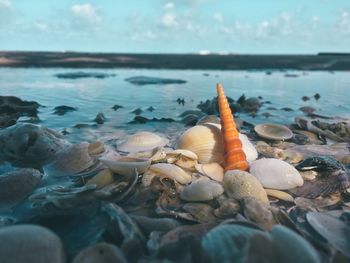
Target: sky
x=178, y=26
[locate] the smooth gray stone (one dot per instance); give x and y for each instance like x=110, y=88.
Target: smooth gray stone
x=30, y=244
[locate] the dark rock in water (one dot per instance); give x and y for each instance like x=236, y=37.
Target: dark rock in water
x=79, y=75
x=162, y=120
x=8, y=120
x=317, y=96
x=209, y=107
x=235, y=107
x=290, y=75
x=144, y=80
x=12, y=105
x=241, y=100
x=138, y=111
x=33, y=120
x=17, y=185
x=266, y=114
x=206, y=74
x=271, y=108
x=307, y=109
x=151, y=109
x=65, y=132
x=252, y=104
x=81, y=125
x=287, y=109
x=190, y=120
x=30, y=244
x=100, y=118
x=63, y=109
x=29, y=145
x=180, y=101
x=305, y=98
x=116, y=107
x=142, y=120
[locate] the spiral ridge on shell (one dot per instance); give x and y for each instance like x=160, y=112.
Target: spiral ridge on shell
x=235, y=158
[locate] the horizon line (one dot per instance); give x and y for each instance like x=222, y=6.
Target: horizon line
x=200, y=53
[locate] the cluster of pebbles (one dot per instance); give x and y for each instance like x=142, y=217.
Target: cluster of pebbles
x=145, y=199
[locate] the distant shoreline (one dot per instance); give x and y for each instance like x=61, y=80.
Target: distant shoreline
x=322, y=61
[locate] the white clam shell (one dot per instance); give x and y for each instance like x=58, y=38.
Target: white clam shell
x=125, y=165
x=205, y=141
x=248, y=148
x=184, y=158
x=172, y=171
x=212, y=170
x=273, y=131
x=184, y=153
x=155, y=155
x=142, y=141
x=202, y=189
x=276, y=174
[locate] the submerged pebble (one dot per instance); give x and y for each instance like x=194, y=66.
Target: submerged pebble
x=100, y=253
x=17, y=185
x=30, y=244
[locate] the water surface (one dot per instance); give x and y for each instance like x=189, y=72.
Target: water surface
x=92, y=96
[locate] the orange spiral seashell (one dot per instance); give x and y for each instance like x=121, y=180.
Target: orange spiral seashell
x=235, y=158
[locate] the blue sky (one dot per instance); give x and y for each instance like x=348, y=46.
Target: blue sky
x=178, y=26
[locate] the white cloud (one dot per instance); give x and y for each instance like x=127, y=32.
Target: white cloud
x=169, y=20
x=6, y=13
x=41, y=26
x=315, y=18
x=5, y=3
x=169, y=5
x=219, y=17
x=85, y=16
x=193, y=2
x=344, y=22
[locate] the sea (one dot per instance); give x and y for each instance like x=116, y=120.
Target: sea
x=93, y=95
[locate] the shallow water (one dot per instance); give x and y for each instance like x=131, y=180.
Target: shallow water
x=92, y=96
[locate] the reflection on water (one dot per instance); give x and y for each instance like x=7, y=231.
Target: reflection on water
x=92, y=96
